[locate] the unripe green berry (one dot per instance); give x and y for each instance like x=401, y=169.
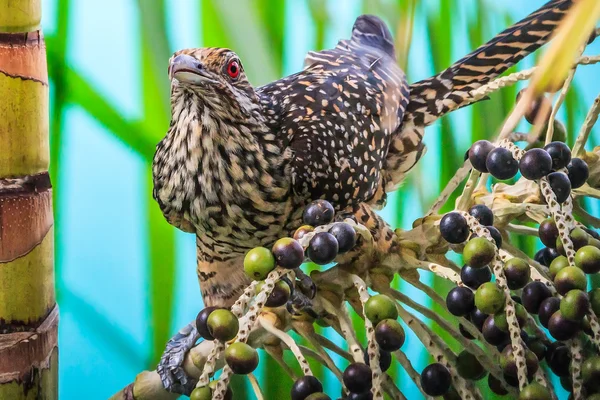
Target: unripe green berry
x=570, y=278
x=557, y=264
x=201, y=393
x=574, y=305
x=489, y=298
x=588, y=259
x=258, y=262
x=479, y=252
x=380, y=307
x=223, y=325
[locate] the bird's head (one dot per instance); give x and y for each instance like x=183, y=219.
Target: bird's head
x=214, y=77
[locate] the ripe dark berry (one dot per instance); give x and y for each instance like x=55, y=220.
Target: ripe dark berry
x=574, y=305
x=201, y=323
x=558, y=358
x=492, y=334
x=305, y=386
x=435, y=379
x=538, y=348
x=570, y=278
x=517, y=273
x=463, y=331
x=501, y=164
x=478, y=318
x=279, y=296
x=549, y=255
x=588, y=259
x=385, y=359
x=548, y=232
x=489, y=298
x=560, y=153
x=360, y=396
x=323, y=248
x=460, y=301
x=478, y=154
x=319, y=212
x=483, y=214
x=535, y=391
x=533, y=294
x=222, y=324
x=561, y=186
x=578, y=172
x=454, y=228
x=535, y=164
x=258, y=262
x=357, y=377
x=345, y=235
x=548, y=307
x=469, y=367
x=475, y=277
x=241, y=358
x=479, y=252
x=509, y=364
x=496, y=386
x=542, y=104
x=496, y=235
x=380, y=307
x=303, y=231
x=539, y=257
x=288, y=253
x=561, y=328
x=389, y=334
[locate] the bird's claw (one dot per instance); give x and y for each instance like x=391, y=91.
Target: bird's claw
x=306, y=284
x=300, y=304
x=170, y=370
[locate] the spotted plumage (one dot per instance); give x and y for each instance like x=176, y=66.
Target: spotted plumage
x=238, y=163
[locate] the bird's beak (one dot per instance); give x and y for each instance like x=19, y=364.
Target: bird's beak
x=187, y=69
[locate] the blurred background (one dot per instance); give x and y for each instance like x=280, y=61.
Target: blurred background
x=126, y=280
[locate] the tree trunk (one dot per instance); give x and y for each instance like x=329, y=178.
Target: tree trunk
x=28, y=310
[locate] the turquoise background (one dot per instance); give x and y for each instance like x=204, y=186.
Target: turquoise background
x=102, y=278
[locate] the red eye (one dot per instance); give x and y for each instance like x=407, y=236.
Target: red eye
x=233, y=69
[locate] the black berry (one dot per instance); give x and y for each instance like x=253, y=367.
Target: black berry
x=482, y=213
x=562, y=328
x=454, y=228
x=305, y=386
x=548, y=307
x=345, y=235
x=288, y=253
x=548, y=232
x=501, y=164
x=357, y=377
x=535, y=164
x=560, y=153
x=435, y=380
x=533, y=294
x=478, y=154
x=323, y=248
x=475, y=277
x=578, y=172
x=201, y=323
x=319, y=212
x=460, y=301
x=561, y=186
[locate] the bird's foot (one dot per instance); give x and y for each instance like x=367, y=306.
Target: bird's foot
x=170, y=369
x=301, y=298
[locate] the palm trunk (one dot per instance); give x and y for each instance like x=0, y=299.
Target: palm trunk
x=28, y=310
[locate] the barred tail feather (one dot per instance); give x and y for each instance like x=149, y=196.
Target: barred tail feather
x=449, y=90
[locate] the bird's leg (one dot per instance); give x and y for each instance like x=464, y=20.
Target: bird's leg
x=378, y=243
x=169, y=368
x=221, y=283
x=303, y=292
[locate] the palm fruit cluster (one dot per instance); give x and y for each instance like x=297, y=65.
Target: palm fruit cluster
x=520, y=318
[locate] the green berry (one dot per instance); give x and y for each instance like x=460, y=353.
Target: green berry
x=517, y=273
x=258, y=263
x=228, y=394
x=469, y=367
x=590, y=371
x=588, y=259
x=241, y=358
x=479, y=252
x=574, y=305
x=557, y=264
x=223, y=325
x=502, y=323
x=318, y=396
x=570, y=278
x=380, y=307
x=535, y=391
x=594, y=296
x=201, y=393
x=489, y=298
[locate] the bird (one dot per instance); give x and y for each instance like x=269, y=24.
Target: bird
x=239, y=163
